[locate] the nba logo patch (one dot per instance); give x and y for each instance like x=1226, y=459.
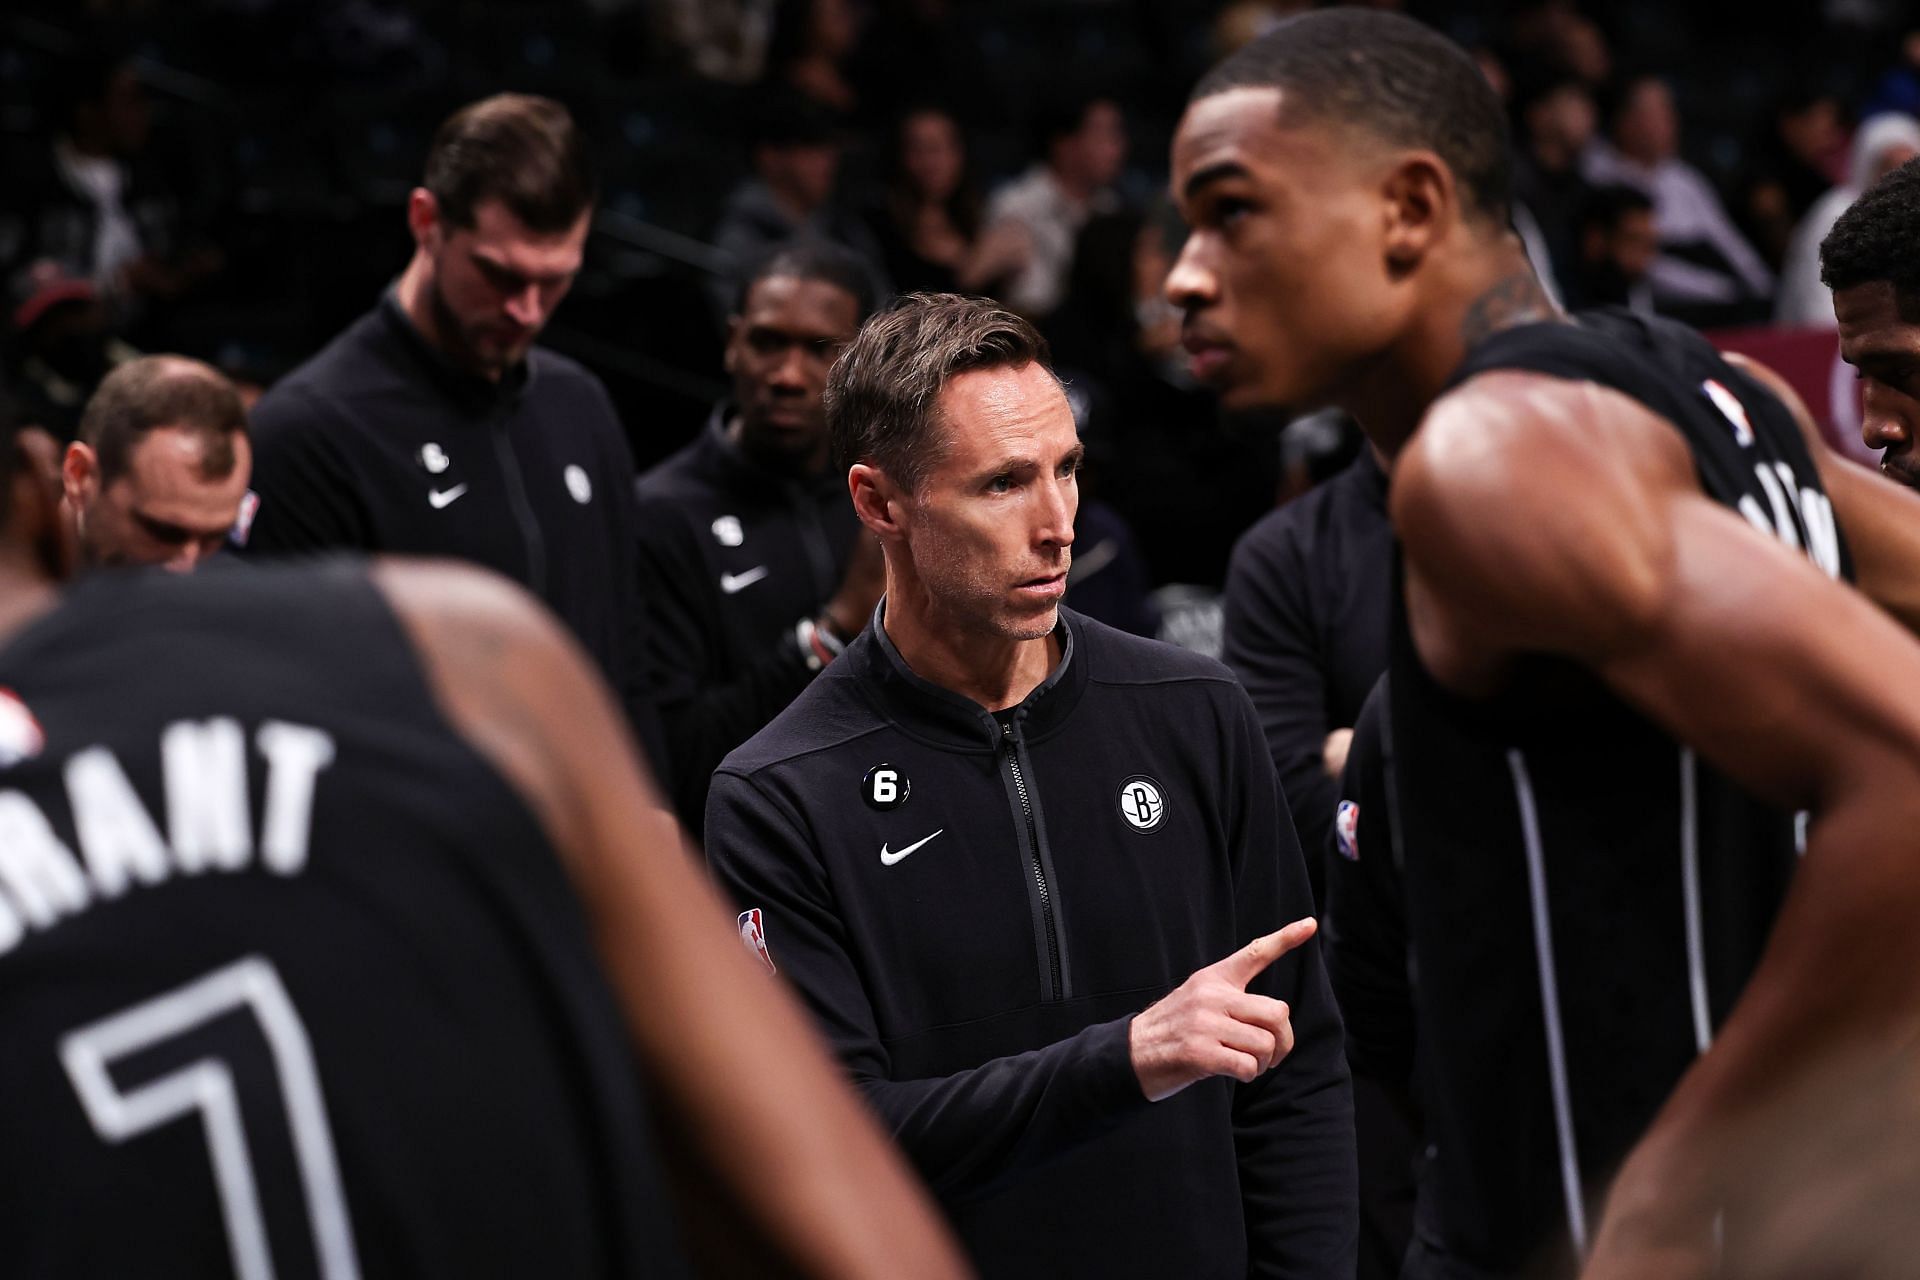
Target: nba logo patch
x=20, y=734
x=243, y=522
x=1346, y=830
x=1731, y=409
x=754, y=934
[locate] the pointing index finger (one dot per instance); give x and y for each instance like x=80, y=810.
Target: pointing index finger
x=1246, y=964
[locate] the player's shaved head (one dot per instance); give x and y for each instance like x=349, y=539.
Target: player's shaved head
x=1874, y=240
x=1388, y=76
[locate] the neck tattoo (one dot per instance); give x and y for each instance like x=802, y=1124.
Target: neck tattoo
x=1516, y=298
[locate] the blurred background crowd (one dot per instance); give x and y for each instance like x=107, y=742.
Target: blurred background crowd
x=228, y=178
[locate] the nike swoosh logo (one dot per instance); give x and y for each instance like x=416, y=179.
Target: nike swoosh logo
x=732, y=582
x=438, y=498
x=888, y=859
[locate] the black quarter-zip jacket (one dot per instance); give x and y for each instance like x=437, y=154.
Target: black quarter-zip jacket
x=975, y=906
x=378, y=443
x=732, y=557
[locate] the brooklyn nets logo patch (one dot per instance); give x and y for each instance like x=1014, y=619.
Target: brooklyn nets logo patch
x=1141, y=804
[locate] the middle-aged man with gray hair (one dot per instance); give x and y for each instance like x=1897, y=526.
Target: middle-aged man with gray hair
x=1033, y=874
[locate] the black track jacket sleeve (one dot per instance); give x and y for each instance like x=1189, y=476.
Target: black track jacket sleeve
x=1293, y=1127
x=1366, y=915
x=704, y=716
x=964, y=1131
x=1270, y=643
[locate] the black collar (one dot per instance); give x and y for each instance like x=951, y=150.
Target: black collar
x=954, y=720
x=734, y=471
x=467, y=389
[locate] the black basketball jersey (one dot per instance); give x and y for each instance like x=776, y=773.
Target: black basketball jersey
x=1585, y=898
x=291, y=982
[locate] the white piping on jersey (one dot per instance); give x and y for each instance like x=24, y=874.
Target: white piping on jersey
x=1550, y=1003
x=1690, y=898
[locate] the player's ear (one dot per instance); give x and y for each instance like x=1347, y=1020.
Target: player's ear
x=423, y=217
x=877, y=500
x=80, y=474
x=1419, y=199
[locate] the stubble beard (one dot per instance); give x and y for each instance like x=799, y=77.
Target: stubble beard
x=977, y=603
x=455, y=337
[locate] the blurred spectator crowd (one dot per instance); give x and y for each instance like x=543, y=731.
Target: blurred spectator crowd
x=227, y=179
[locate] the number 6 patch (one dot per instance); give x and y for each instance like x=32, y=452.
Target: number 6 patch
x=884, y=787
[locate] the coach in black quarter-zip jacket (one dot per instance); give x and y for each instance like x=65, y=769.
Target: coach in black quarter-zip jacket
x=1002, y=851
x=432, y=426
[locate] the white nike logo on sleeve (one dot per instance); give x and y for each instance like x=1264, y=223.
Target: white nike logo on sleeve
x=733, y=582
x=438, y=498
x=888, y=859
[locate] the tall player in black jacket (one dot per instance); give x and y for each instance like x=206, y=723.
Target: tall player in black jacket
x=434, y=426
x=994, y=831
x=1616, y=551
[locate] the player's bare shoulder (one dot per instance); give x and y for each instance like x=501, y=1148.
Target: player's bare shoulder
x=504, y=671
x=1533, y=513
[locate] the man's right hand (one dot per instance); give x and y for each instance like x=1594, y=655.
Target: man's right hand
x=1210, y=1025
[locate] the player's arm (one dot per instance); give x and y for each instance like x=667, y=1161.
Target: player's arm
x=1269, y=643
x=729, y=1056
x=1541, y=515
x=1292, y=1127
x=1879, y=519
x=1365, y=917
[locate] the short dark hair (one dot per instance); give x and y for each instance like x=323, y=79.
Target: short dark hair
x=1606, y=205
x=815, y=259
x=883, y=395
x=781, y=118
x=521, y=150
x=1390, y=76
x=1061, y=110
x=83, y=79
x=1876, y=238
x=1617, y=95
x=163, y=391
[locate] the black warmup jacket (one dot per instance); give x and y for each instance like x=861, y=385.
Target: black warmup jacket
x=732, y=558
x=1306, y=612
x=976, y=909
x=379, y=444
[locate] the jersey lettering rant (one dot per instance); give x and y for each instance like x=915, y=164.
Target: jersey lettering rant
x=208, y=826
